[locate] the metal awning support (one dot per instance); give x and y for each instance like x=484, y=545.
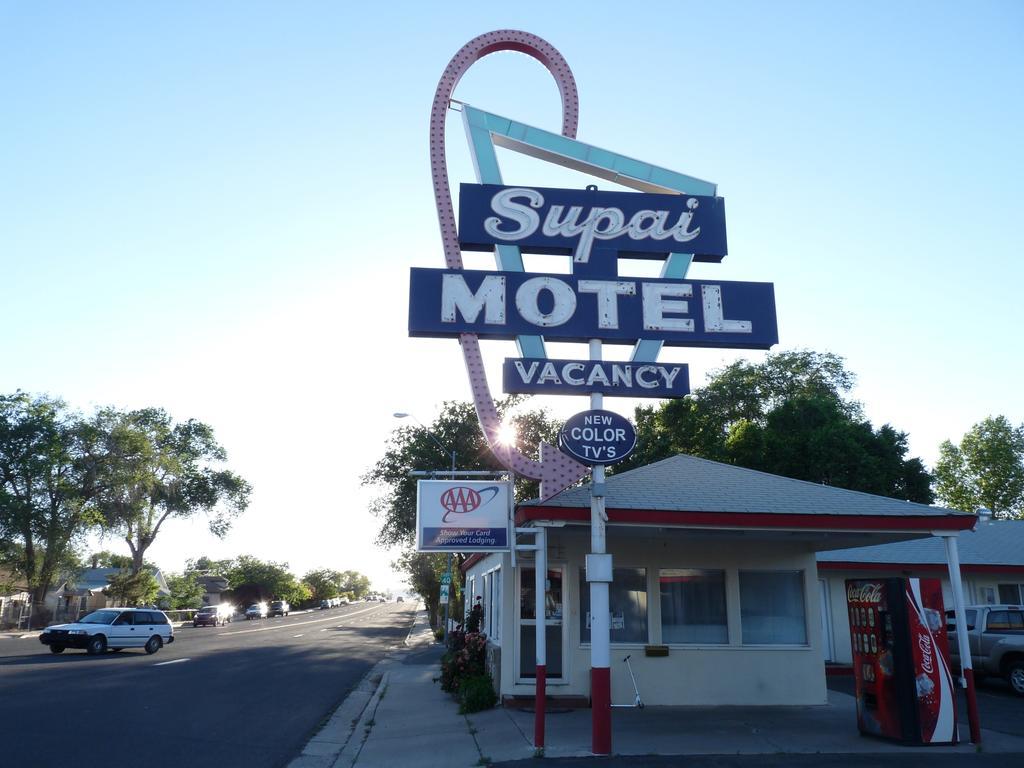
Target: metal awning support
x=966, y=666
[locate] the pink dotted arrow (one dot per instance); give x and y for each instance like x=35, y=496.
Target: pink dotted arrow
x=555, y=470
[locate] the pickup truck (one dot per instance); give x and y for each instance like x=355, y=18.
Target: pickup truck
x=995, y=635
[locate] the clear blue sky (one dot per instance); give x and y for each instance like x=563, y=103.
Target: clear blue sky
x=213, y=208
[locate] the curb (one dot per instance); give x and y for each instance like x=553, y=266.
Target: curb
x=328, y=745
x=350, y=752
x=338, y=743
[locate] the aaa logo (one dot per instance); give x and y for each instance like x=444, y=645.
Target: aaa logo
x=462, y=501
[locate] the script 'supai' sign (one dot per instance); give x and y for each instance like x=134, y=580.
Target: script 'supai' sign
x=578, y=222
x=504, y=305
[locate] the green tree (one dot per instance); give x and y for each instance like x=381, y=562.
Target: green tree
x=207, y=565
x=456, y=428
x=253, y=580
x=128, y=588
x=985, y=470
x=788, y=415
x=323, y=583
x=423, y=573
x=163, y=470
x=355, y=583
x=186, y=591
x=107, y=559
x=49, y=464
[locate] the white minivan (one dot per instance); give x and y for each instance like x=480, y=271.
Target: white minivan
x=112, y=629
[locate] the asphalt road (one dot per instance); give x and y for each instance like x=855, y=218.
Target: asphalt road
x=250, y=693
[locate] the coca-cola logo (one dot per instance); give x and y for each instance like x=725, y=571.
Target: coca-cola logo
x=924, y=642
x=864, y=593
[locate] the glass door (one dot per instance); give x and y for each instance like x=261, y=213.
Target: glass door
x=554, y=607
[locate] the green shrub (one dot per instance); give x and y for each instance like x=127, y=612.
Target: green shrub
x=449, y=677
x=476, y=693
x=466, y=657
x=439, y=633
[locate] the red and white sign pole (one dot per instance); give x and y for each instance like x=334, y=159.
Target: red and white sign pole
x=599, y=574
x=963, y=647
x=540, y=614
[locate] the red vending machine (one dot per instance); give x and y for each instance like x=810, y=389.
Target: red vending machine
x=901, y=660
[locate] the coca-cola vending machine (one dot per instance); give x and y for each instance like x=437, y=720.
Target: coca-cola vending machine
x=901, y=660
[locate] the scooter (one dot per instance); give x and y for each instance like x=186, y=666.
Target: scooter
x=637, y=702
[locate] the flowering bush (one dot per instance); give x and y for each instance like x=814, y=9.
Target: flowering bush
x=465, y=658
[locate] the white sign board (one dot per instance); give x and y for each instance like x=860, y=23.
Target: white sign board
x=463, y=515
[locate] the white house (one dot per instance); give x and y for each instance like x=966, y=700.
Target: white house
x=715, y=592
x=991, y=565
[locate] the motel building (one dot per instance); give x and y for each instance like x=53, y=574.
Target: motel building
x=716, y=593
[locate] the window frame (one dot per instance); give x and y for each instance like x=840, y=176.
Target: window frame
x=585, y=585
x=802, y=574
x=725, y=605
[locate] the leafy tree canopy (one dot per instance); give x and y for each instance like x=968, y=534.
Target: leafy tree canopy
x=985, y=470
x=253, y=580
x=49, y=464
x=354, y=583
x=186, y=591
x=163, y=470
x=208, y=566
x=423, y=573
x=323, y=583
x=456, y=428
x=127, y=588
x=788, y=415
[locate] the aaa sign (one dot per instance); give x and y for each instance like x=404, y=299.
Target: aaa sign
x=463, y=516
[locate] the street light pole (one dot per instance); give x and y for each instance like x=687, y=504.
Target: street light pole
x=448, y=572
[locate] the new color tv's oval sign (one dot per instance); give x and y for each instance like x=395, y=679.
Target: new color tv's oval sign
x=597, y=437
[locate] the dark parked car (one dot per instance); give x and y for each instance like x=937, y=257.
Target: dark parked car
x=211, y=616
x=279, y=608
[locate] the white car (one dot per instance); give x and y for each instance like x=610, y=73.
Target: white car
x=112, y=629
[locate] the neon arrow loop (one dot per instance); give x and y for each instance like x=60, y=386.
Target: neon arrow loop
x=555, y=470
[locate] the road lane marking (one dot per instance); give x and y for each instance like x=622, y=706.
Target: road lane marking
x=298, y=635
x=173, y=661
x=293, y=624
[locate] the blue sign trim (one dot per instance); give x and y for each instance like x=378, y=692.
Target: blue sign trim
x=541, y=376
x=597, y=437
x=448, y=539
x=685, y=313
x=563, y=221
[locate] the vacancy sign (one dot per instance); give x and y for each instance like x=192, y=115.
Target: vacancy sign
x=463, y=516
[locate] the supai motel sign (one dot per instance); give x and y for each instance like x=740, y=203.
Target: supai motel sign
x=595, y=228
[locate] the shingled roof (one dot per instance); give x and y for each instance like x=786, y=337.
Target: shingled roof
x=687, y=484
x=992, y=543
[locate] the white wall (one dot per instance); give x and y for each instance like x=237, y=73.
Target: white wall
x=731, y=674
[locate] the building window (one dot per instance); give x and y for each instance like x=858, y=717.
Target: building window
x=693, y=606
x=772, y=608
x=627, y=600
x=1009, y=594
x=494, y=615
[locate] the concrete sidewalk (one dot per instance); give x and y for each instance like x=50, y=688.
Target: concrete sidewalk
x=402, y=717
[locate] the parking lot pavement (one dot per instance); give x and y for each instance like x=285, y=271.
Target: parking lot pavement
x=999, y=708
